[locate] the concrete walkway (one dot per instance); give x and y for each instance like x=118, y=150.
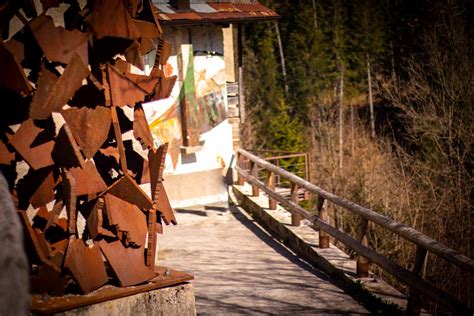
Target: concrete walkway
x=240, y=269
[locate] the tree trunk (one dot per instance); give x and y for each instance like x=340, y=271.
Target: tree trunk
x=371, y=101
x=341, y=113
x=315, y=14
x=282, y=58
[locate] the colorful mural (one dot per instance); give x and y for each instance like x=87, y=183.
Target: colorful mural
x=201, y=89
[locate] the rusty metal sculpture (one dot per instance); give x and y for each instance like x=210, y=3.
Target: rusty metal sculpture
x=65, y=89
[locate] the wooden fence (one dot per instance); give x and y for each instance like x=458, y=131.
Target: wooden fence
x=413, y=279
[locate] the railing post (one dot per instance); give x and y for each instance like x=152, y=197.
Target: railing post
x=414, y=299
x=295, y=218
x=272, y=203
x=323, y=216
x=240, y=163
x=254, y=172
x=362, y=267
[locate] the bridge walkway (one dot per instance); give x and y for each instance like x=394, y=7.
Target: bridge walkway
x=240, y=269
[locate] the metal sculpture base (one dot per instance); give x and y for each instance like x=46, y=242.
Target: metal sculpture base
x=45, y=305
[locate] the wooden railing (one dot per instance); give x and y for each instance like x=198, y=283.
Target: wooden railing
x=294, y=162
x=414, y=278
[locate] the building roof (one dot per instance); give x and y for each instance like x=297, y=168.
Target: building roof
x=202, y=12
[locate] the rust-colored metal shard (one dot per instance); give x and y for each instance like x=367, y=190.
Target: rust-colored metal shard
x=159, y=228
x=141, y=130
x=165, y=53
x=90, y=127
x=151, y=248
x=88, y=179
x=54, y=96
x=127, y=189
x=6, y=156
x=111, y=18
x=38, y=156
x=127, y=263
x=17, y=49
x=134, y=56
x=148, y=14
x=133, y=6
x=70, y=198
x=54, y=216
x=57, y=43
x=147, y=29
x=46, y=83
x=33, y=243
x=86, y=265
x=123, y=90
x=146, y=45
x=66, y=153
x=163, y=90
x=95, y=221
x=119, y=140
x=41, y=217
x=147, y=83
x=12, y=76
x=156, y=163
x=163, y=205
x=126, y=218
x=48, y=280
x=45, y=192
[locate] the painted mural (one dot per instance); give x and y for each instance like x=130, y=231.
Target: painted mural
x=201, y=86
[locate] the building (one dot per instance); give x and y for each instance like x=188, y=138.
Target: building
x=200, y=120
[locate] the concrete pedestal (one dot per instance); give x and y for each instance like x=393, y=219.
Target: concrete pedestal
x=173, y=300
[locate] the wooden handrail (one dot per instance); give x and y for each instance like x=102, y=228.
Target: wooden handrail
x=412, y=279
x=400, y=229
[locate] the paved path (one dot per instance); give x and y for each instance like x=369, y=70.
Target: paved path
x=240, y=269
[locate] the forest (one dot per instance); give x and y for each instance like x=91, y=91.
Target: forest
x=380, y=94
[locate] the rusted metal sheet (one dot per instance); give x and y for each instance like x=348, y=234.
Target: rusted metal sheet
x=88, y=179
x=147, y=29
x=48, y=281
x=53, y=96
x=44, y=88
x=151, y=248
x=12, y=76
x=156, y=163
x=118, y=138
x=123, y=90
x=127, y=263
x=163, y=205
x=33, y=243
x=66, y=152
x=133, y=55
x=95, y=221
x=45, y=192
x=86, y=265
x=23, y=141
x=147, y=83
x=57, y=43
x=165, y=53
x=90, y=127
x=141, y=131
x=163, y=90
x=16, y=48
x=6, y=156
x=126, y=218
x=127, y=189
x=111, y=18
x=146, y=45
